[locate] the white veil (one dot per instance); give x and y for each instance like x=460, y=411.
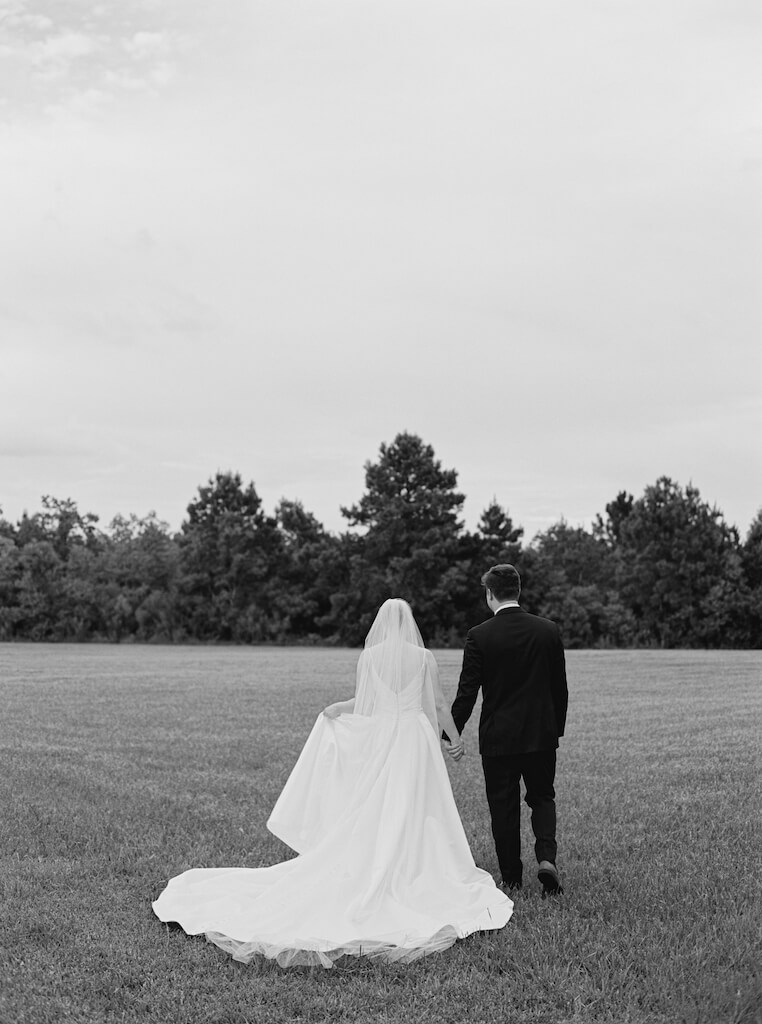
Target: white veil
x=395, y=657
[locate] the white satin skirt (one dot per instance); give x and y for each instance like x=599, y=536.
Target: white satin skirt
x=384, y=868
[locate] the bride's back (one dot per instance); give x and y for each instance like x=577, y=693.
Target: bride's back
x=396, y=664
x=394, y=672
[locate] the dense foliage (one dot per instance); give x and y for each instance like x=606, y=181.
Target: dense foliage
x=662, y=570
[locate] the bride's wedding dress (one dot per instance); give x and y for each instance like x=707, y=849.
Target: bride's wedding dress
x=383, y=867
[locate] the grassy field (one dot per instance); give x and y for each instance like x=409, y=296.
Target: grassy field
x=123, y=766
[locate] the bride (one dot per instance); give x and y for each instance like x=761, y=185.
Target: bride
x=384, y=867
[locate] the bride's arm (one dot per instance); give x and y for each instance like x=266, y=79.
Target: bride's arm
x=341, y=707
x=345, y=707
x=444, y=716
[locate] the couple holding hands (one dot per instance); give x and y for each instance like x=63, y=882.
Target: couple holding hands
x=384, y=868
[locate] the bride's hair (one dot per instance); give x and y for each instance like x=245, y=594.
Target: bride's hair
x=394, y=621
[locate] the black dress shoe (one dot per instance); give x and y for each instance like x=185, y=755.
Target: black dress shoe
x=549, y=879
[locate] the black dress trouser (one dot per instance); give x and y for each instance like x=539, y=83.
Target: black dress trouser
x=502, y=776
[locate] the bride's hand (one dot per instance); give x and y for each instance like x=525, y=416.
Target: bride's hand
x=333, y=711
x=456, y=750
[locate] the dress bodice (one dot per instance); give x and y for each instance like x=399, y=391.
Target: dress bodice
x=405, y=702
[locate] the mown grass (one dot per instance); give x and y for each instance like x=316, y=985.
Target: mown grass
x=120, y=767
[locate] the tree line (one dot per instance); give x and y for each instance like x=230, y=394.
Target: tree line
x=662, y=570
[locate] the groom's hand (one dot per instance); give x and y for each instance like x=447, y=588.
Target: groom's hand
x=456, y=750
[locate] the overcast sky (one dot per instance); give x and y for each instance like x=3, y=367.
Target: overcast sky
x=268, y=236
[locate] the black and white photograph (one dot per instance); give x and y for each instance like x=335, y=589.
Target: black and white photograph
x=380, y=511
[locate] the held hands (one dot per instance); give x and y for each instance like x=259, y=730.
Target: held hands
x=456, y=750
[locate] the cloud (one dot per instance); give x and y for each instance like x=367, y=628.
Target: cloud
x=52, y=56
x=81, y=104
x=69, y=61
x=35, y=21
x=124, y=80
x=146, y=44
x=66, y=46
x=163, y=74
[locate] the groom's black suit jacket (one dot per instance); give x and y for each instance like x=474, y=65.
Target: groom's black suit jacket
x=518, y=660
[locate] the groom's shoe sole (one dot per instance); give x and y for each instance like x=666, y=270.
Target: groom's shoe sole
x=549, y=879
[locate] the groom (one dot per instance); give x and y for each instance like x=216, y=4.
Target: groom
x=518, y=661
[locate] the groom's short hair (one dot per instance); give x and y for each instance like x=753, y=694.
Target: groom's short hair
x=504, y=582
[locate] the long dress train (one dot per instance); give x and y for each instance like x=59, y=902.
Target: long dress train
x=384, y=868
